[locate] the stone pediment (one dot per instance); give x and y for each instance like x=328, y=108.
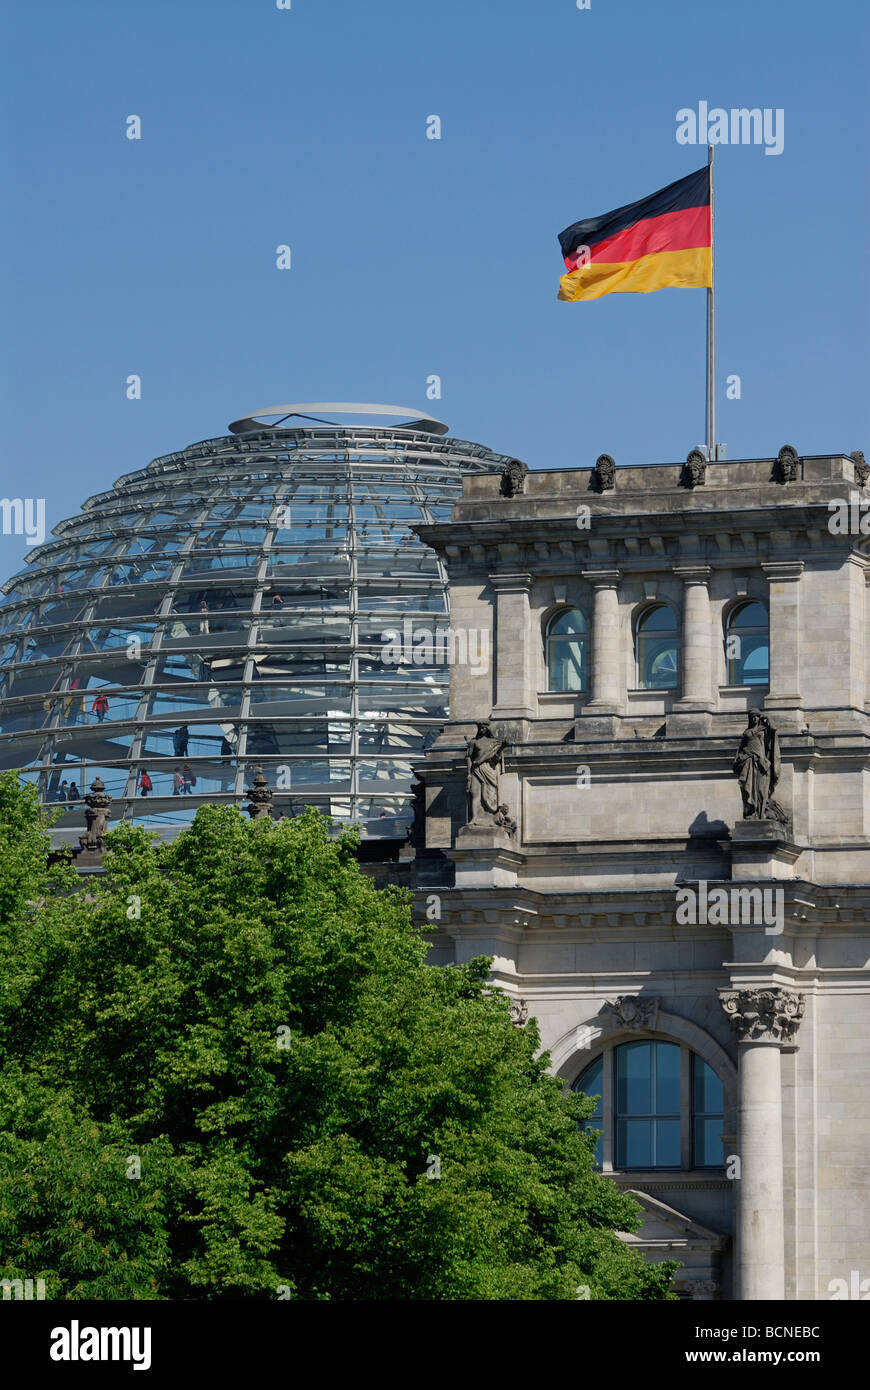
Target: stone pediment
x=665, y=1228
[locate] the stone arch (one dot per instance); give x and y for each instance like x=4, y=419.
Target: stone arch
x=567, y=1060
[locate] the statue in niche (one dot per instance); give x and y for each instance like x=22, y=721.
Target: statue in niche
x=757, y=769
x=484, y=762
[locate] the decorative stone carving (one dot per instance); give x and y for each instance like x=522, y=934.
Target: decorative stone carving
x=694, y=470
x=504, y=818
x=634, y=1011
x=260, y=806
x=513, y=478
x=702, y=1288
x=97, y=803
x=787, y=464
x=484, y=762
x=757, y=769
x=862, y=470
x=763, y=1015
x=519, y=1013
x=604, y=473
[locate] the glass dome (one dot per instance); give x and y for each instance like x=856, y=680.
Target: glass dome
x=224, y=611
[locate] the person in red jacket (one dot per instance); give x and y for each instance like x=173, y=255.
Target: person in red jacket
x=145, y=784
x=100, y=707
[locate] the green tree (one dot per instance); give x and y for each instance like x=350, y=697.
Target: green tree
x=227, y=1072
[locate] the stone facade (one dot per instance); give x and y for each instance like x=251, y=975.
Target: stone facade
x=621, y=796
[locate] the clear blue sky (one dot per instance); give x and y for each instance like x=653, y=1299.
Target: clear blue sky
x=414, y=256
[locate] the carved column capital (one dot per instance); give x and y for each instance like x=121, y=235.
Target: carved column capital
x=763, y=1015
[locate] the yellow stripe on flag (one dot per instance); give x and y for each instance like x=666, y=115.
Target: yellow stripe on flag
x=686, y=270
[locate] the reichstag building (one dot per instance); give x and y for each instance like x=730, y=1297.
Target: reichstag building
x=648, y=798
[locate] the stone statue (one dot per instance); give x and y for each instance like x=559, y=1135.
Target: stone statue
x=483, y=761
x=513, y=478
x=862, y=471
x=787, y=464
x=97, y=803
x=694, y=470
x=604, y=473
x=260, y=807
x=757, y=769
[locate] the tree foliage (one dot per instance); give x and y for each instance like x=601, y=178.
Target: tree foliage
x=227, y=1072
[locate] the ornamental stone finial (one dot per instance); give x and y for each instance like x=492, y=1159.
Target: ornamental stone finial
x=260, y=807
x=787, y=464
x=604, y=473
x=694, y=470
x=763, y=1015
x=862, y=470
x=513, y=478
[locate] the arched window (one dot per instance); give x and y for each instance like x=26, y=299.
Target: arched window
x=566, y=650
x=590, y=1082
x=658, y=1101
x=648, y=1105
x=657, y=648
x=747, y=645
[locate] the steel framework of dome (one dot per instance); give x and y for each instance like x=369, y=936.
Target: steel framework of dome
x=222, y=611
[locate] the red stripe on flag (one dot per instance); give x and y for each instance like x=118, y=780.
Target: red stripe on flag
x=670, y=231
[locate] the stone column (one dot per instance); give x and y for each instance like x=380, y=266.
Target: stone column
x=696, y=656
x=515, y=695
x=607, y=670
x=765, y=1020
x=784, y=589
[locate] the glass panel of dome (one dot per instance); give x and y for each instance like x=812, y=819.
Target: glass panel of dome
x=296, y=627
x=140, y=572
x=100, y=639
x=45, y=649
x=404, y=700
x=17, y=619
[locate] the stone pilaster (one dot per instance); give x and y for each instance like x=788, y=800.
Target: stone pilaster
x=765, y=1020
x=515, y=697
x=696, y=662
x=783, y=578
x=607, y=685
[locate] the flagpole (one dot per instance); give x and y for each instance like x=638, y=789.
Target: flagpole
x=711, y=333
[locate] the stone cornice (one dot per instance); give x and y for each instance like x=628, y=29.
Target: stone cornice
x=640, y=544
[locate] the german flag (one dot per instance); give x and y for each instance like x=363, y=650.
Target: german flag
x=661, y=241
